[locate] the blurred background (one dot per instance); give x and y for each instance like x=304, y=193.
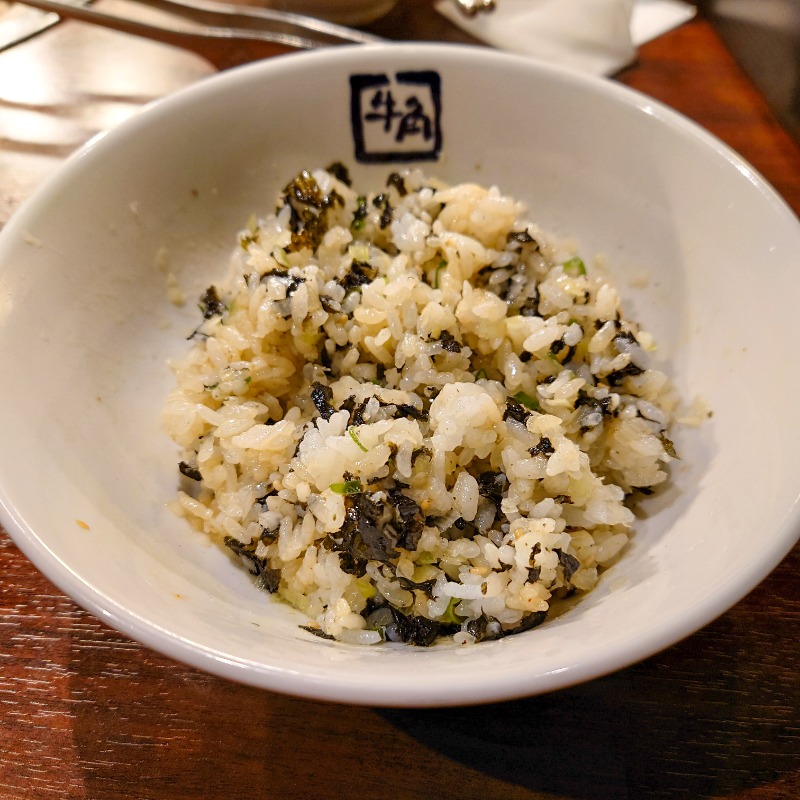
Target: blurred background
x=764, y=36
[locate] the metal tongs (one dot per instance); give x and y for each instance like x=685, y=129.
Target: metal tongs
x=226, y=35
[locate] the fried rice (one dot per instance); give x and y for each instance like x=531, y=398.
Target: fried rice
x=413, y=415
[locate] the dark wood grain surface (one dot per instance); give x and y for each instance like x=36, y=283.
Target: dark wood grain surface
x=86, y=713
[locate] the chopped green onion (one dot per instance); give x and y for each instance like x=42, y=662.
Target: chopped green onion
x=355, y=439
x=450, y=616
x=526, y=400
x=442, y=265
x=574, y=267
x=481, y=375
x=359, y=215
x=347, y=487
x=365, y=587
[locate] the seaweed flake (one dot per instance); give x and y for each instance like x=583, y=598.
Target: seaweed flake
x=570, y=564
x=408, y=519
x=523, y=237
x=292, y=282
x=359, y=274
x=262, y=501
x=360, y=214
x=603, y=405
x=317, y=632
x=530, y=306
x=543, y=448
x=396, y=180
x=516, y=411
x=329, y=304
x=340, y=172
x=364, y=536
x=420, y=452
x=381, y=202
x=397, y=627
x=618, y=375
x=422, y=586
x=449, y=342
x=309, y=207
x=322, y=396
x=356, y=412
x=491, y=485
x=210, y=304
x=625, y=336
x=407, y=410
x=189, y=471
x=268, y=578
x=668, y=445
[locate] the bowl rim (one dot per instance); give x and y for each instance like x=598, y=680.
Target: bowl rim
x=439, y=693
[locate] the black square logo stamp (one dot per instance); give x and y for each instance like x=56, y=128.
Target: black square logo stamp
x=396, y=117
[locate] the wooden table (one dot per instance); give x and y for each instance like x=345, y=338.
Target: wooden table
x=87, y=713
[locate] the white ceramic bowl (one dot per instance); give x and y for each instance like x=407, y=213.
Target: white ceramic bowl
x=704, y=251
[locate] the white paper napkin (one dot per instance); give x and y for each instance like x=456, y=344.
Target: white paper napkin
x=596, y=36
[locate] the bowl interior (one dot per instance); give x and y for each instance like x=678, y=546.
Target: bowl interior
x=702, y=249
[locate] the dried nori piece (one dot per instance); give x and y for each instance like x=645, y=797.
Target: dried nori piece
x=364, y=535
x=340, y=172
x=329, y=304
x=420, y=631
x=356, y=411
x=325, y=359
x=449, y=342
x=585, y=399
x=625, y=336
x=405, y=506
x=478, y=627
x=322, y=396
x=262, y=501
x=398, y=627
x=423, y=586
x=268, y=578
x=396, y=180
x=210, y=304
x=420, y=452
x=317, y=632
x=570, y=564
x=407, y=410
x=309, y=206
x=530, y=308
x=360, y=273
x=618, y=375
x=189, y=471
x=523, y=237
x=381, y=202
x=543, y=448
x=292, y=282
x=491, y=485
x=669, y=447
x=528, y=622
x=360, y=214
x=408, y=519
x=467, y=530
x=516, y=411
